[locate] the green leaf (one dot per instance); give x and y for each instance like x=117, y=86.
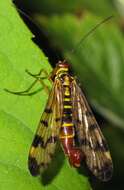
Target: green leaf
x=98, y=61
x=19, y=115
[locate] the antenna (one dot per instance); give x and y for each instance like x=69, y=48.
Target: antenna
x=90, y=32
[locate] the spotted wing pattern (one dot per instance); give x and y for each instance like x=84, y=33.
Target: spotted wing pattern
x=47, y=134
x=90, y=137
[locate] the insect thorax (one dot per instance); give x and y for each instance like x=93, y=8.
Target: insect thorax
x=61, y=70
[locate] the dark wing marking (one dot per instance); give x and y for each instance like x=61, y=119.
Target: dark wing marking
x=90, y=137
x=47, y=134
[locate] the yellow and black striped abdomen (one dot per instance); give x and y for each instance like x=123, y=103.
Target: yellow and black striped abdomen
x=67, y=128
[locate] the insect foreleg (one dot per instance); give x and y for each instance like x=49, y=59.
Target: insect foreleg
x=38, y=75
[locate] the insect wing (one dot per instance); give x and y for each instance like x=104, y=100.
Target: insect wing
x=47, y=134
x=91, y=140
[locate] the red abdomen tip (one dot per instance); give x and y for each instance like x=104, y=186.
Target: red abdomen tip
x=75, y=157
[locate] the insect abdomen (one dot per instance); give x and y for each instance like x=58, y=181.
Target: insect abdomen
x=67, y=131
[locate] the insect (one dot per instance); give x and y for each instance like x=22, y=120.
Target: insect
x=67, y=115
x=68, y=118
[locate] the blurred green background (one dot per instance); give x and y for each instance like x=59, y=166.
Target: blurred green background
x=98, y=62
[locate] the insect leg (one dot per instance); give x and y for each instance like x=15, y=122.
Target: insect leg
x=25, y=92
x=41, y=79
x=37, y=78
x=39, y=74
